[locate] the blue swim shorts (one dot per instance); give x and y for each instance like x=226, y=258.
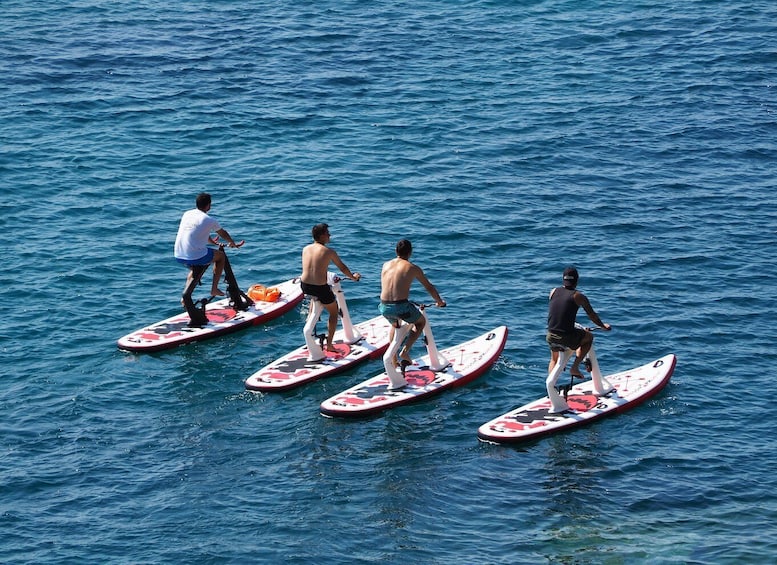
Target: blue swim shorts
x=206, y=259
x=399, y=310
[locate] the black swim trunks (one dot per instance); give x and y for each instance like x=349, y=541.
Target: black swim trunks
x=323, y=292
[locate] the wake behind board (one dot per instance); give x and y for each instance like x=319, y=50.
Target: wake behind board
x=468, y=361
x=222, y=319
x=534, y=420
x=294, y=369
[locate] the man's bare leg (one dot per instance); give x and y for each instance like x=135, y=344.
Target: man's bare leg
x=334, y=313
x=582, y=351
x=414, y=334
x=218, y=268
x=553, y=360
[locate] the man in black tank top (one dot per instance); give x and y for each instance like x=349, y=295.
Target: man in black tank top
x=562, y=313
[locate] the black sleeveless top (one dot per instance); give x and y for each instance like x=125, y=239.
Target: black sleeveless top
x=562, y=311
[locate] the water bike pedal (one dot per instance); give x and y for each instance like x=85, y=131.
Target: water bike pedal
x=564, y=390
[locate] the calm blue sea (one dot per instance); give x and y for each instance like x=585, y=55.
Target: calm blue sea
x=635, y=140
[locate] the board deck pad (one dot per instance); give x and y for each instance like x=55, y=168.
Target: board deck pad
x=294, y=369
x=468, y=361
x=535, y=419
x=222, y=319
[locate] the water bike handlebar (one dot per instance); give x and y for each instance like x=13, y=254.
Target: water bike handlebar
x=593, y=328
x=216, y=241
x=422, y=305
x=332, y=278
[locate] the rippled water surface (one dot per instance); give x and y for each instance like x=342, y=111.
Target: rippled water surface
x=506, y=140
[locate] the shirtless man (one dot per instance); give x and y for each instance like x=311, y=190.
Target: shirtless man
x=395, y=279
x=315, y=263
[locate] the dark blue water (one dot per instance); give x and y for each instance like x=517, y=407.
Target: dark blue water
x=506, y=140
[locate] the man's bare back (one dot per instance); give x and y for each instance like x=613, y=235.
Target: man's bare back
x=315, y=263
x=398, y=275
x=396, y=278
x=317, y=256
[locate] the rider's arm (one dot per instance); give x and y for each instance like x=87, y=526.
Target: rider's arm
x=223, y=233
x=343, y=267
x=430, y=287
x=582, y=300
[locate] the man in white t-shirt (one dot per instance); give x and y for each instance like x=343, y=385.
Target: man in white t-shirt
x=191, y=243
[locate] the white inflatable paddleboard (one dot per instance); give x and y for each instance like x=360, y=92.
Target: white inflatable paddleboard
x=295, y=369
x=222, y=319
x=535, y=419
x=467, y=361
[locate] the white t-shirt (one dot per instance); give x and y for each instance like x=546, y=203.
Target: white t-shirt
x=192, y=240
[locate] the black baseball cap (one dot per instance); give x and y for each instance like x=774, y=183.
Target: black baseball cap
x=570, y=276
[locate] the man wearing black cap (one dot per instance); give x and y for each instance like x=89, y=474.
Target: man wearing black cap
x=562, y=313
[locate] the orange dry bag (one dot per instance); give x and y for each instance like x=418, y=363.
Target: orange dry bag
x=260, y=293
x=256, y=292
x=271, y=294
